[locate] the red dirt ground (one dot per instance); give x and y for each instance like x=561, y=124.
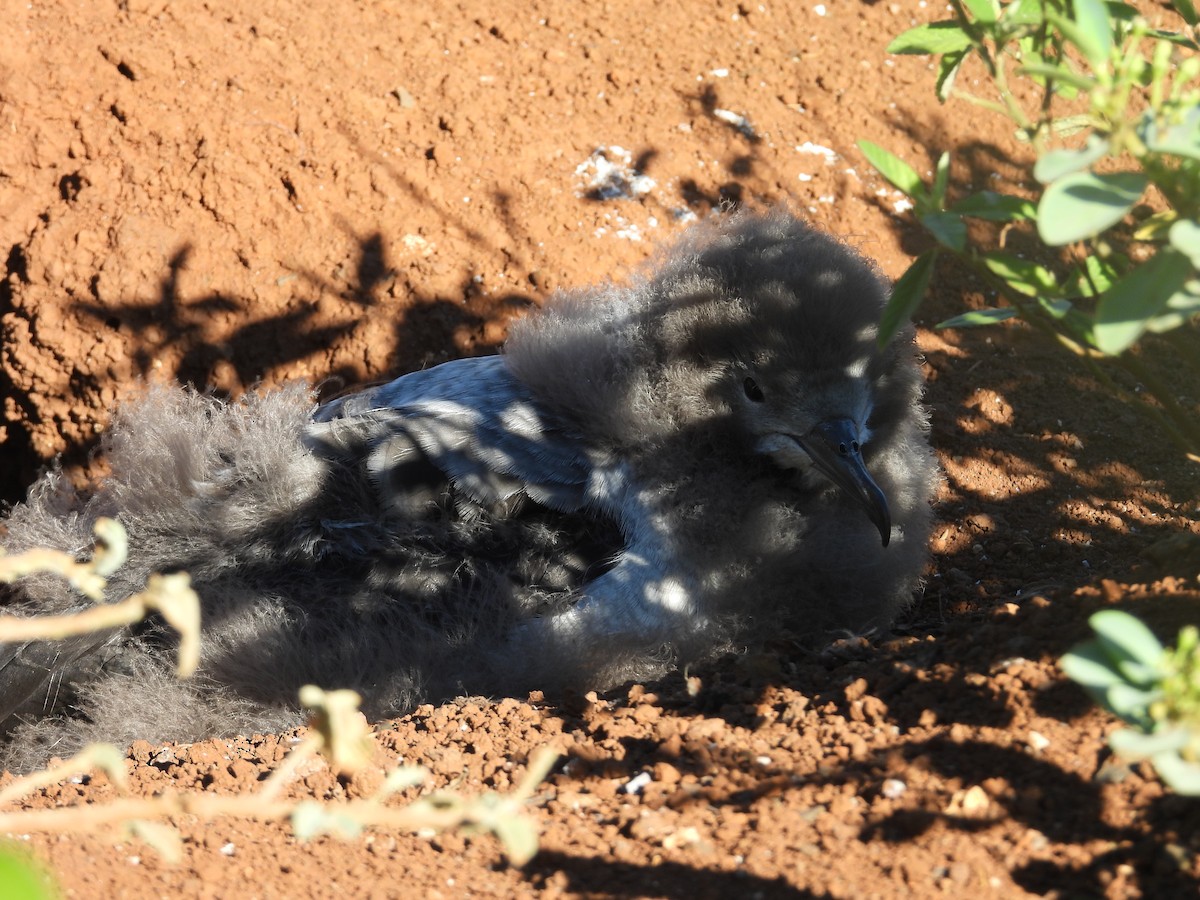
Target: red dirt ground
x=345, y=191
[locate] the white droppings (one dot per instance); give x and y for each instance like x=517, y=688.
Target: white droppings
x=893, y=788
x=609, y=174
x=737, y=120
x=635, y=784
x=416, y=244
x=817, y=150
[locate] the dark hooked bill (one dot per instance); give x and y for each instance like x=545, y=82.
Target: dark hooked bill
x=834, y=448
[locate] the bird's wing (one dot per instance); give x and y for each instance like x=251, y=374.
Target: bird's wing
x=473, y=421
x=33, y=667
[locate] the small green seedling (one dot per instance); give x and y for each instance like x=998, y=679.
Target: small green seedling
x=1153, y=689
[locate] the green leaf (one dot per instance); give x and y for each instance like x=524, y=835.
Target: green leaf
x=1178, y=138
x=1021, y=275
x=1121, y=12
x=1126, y=309
x=1075, y=322
x=1157, y=227
x=1139, y=745
x=941, y=181
x=1172, y=37
x=1087, y=664
x=1082, y=204
x=979, y=317
x=1055, y=164
x=519, y=837
x=1099, y=276
x=21, y=877
x=1181, y=775
x=1024, y=12
x=946, y=36
x=895, y=170
x=949, y=229
x=1180, y=308
x=1137, y=674
x=1186, y=10
x=1093, y=34
x=1056, y=309
x=1126, y=637
x=984, y=11
x=906, y=295
x=948, y=67
x=1129, y=701
x=995, y=207
x=1087, y=31
x=1185, y=237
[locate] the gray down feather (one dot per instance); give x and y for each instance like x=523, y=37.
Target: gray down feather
x=651, y=473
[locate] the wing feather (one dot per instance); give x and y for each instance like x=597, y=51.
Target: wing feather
x=469, y=418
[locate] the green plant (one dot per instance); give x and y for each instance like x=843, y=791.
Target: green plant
x=21, y=877
x=1155, y=690
x=1111, y=110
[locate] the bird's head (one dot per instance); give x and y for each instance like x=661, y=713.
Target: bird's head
x=755, y=331
x=781, y=324
x=815, y=424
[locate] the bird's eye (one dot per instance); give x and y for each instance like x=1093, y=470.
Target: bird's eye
x=753, y=391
